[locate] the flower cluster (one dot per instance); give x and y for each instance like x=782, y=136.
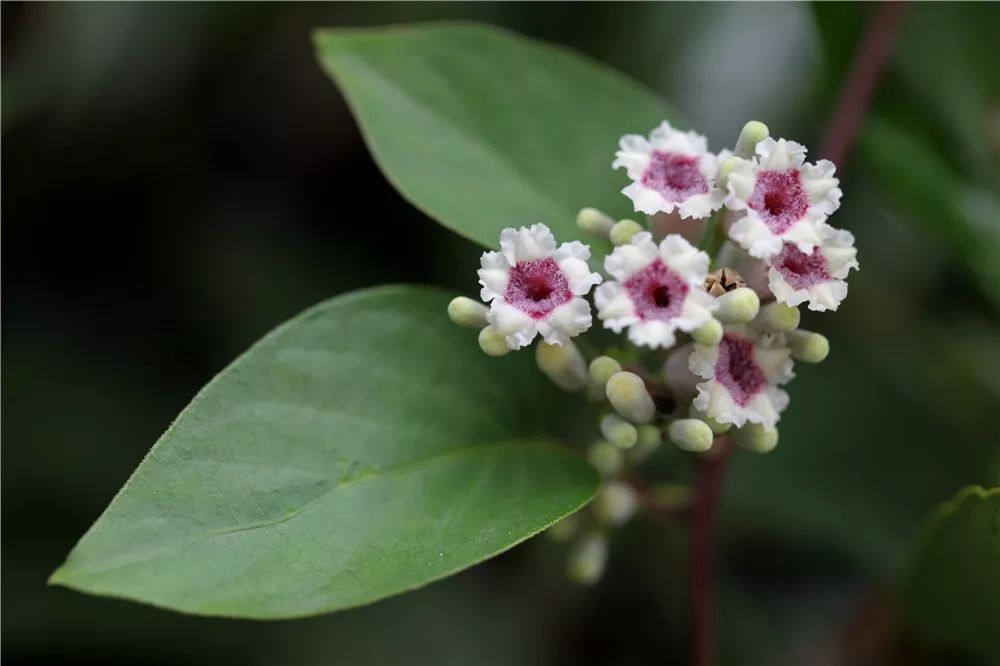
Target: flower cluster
x=721, y=319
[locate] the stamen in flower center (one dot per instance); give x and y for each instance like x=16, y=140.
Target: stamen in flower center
x=674, y=175
x=737, y=370
x=537, y=287
x=779, y=199
x=799, y=269
x=657, y=292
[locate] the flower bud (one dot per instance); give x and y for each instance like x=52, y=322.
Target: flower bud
x=618, y=431
x=565, y=529
x=777, y=317
x=492, y=342
x=716, y=427
x=564, y=365
x=737, y=306
x=616, y=503
x=752, y=133
x=708, y=334
x=649, y=439
x=466, y=312
x=587, y=559
x=755, y=437
x=691, y=434
x=606, y=458
x=677, y=373
x=601, y=369
x=808, y=347
x=594, y=222
x=726, y=168
x=628, y=395
x=623, y=231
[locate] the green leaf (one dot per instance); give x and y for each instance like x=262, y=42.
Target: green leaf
x=952, y=594
x=483, y=129
x=362, y=449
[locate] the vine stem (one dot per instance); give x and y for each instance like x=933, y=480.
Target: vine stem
x=711, y=470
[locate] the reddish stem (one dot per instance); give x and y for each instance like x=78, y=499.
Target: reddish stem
x=706, y=501
x=855, y=96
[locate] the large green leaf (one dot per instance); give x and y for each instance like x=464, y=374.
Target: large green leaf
x=952, y=594
x=364, y=448
x=483, y=129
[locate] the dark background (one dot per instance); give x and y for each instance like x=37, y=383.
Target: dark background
x=177, y=179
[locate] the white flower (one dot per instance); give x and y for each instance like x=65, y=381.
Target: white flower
x=533, y=288
x=671, y=169
x=743, y=373
x=785, y=199
x=819, y=276
x=657, y=290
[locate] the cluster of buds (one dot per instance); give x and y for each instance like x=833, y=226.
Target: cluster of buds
x=721, y=318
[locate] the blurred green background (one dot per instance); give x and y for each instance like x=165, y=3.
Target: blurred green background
x=178, y=179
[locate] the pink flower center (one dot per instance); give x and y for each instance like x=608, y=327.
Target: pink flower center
x=674, y=175
x=537, y=287
x=779, y=199
x=737, y=370
x=657, y=292
x=799, y=269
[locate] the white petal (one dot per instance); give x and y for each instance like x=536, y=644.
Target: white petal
x=780, y=154
x=666, y=138
x=626, y=260
x=827, y=295
x=572, y=259
x=715, y=400
x=527, y=243
x=645, y=200
x=765, y=408
x=809, y=232
x=493, y=275
x=566, y=321
x=821, y=185
x=652, y=333
x=784, y=291
x=740, y=184
x=776, y=363
x=517, y=328
x=634, y=155
x=697, y=309
x=703, y=360
x=614, y=306
x=699, y=206
x=683, y=258
x=754, y=236
x=840, y=253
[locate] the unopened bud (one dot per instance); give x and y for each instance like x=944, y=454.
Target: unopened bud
x=708, y=334
x=587, y=559
x=755, y=437
x=616, y=503
x=601, y=369
x=564, y=365
x=716, y=427
x=691, y=434
x=606, y=458
x=808, y=347
x=726, y=168
x=618, y=431
x=649, y=439
x=623, y=231
x=737, y=306
x=752, y=133
x=466, y=312
x=492, y=342
x=777, y=317
x=565, y=529
x=628, y=395
x=594, y=222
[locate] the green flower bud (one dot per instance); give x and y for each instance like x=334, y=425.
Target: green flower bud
x=725, y=169
x=808, y=347
x=755, y=437
x=467, y=312
x=491, y=342
x=618, y=431
x=594, y=222
x=628, y=395
x=565, y=529
x=649, y=439
x=691, y=434
x=737, y=306
x=777, y=317
x=601, y=369
x=587, y=559
x=752, y=133
x=623, y=231
x=615, y=504
x=717, y=428
x=606, y=458
x=708, y=334
x=564, y=365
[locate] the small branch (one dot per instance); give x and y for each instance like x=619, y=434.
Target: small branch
x=856, y=94
x=706, y=501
